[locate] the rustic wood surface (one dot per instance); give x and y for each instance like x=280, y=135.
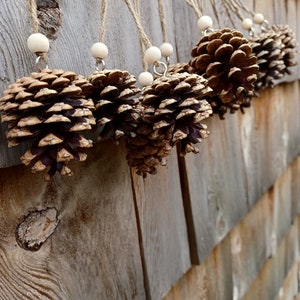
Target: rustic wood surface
x=94, y=251
x=222, y=224
x=163, y=228
x=259, y=258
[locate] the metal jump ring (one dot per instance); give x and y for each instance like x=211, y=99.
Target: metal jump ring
x=264, y=28
x=251, y=32
x=207, y=31
x=100, y=62
x=163, y=68
x=38, y=60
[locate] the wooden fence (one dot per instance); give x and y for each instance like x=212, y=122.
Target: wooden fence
x=222, y=224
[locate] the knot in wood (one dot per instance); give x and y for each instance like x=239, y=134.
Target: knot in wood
x=36, y=228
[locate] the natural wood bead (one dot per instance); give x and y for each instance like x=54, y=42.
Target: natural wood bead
x=258, y=18
x=38, y=43
x=205, y=22
x=145, y=78
x=166, y=49
x=152, y=55
x=247, y=23
x=99, y=50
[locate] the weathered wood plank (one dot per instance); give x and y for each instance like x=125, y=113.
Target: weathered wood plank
x=267, y=284
x=210, y=280
x=163, y=228
x=94, y=251
x=210, y=177
x=290, y=286
x=251, y=245
x=258, y=235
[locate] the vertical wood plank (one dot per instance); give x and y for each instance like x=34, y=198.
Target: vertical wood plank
x=95, y=244
x=210, y=176
x=268, y=282
x=251, y=245
x=210, y=280
x=163, y=228
x=257, y=236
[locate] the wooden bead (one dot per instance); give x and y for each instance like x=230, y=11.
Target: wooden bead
x=258, y=18
x=166, y=49
x=38, y=42
x=152, y=55
x=145, y=78
x=205, y=22
x=99, y=50
x=247, y=24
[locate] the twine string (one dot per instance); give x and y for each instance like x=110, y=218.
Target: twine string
x=142, y=45
x=103, y=20
x=135, y=10
x=214, y=7
x=42, y=58
x=227, y=8
x=33, y=16
x=244, y=7
x=136, y=17
x=197, y=6
x=236, y=9
x=162, y=18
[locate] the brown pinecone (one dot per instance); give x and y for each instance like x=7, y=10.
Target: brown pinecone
x=172, y=113
x=226, y=60
x=179, y=68
x=267, y=47
x=51, y=109
x=289, y=49
x=116, y=103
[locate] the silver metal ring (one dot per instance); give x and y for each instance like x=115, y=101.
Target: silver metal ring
x=100, y=62
x=266, y=27
x=207, y=31
x=160, y=68
x=38, y=60
x=251, y=32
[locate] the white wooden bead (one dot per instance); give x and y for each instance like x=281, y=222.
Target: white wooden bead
x=166, y=49
x=205, y=22
x=99, y=50
x=152, y=55
x=38, y=42
x=145, y=78
x=258, y=18
x=247, y=23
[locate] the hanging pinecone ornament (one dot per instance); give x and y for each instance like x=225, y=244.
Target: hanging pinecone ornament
x=116, y=103
x=267, y=47
x=115, y=97
x=49, y=108
x=225, y=58
x=275, y=48
x=172, y=113
x=289, y=46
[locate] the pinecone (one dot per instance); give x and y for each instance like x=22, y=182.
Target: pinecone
x=116, y=103
x=267, y=47
x=179, y=68
x=50, y=108
x=226, y=60
x=172, y=113
x=289, y=49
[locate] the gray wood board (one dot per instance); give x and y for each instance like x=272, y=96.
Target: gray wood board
x=94, y=251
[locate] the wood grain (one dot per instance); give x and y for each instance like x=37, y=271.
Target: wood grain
x=210, y=280
x=267, y=284
x=289, y=289
x=96, y=238
x=256, y=238
x=163, y=228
